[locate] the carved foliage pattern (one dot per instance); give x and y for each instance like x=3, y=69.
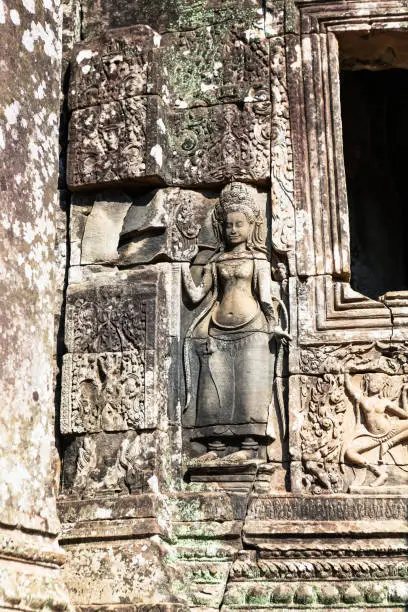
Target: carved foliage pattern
x=108, y=392
x=293, y=569
x=282, y=190
x=373, y=356
x=221, y=142
x=109, y=322
x=286, y=596
x=324, y=402
x=212, y=66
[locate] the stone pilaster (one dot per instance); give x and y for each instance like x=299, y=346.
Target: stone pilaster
x=29, y=116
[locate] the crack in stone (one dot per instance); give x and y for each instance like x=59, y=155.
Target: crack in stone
x=243, y=546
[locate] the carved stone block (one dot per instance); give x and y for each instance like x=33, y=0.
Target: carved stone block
x=215, y=506
x=140, y=563
x=116, y=375
x=116, y=142
x=206, y=582
x=212, y=65
x=103, y=227
x=297, y=595
x=350, y=433
x=363, y=357
x=112, y=67
x=111, y=463
x=166, y=15
x=108, y=392
x=204, y=66
x=135, y=140
x=171, y=223
x=133, y=507
x=277, y=515
x=220, y=143
x=174, y=223
x=82, y=205
x=112, y=317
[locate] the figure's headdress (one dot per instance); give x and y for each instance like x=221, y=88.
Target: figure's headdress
x=236, y=197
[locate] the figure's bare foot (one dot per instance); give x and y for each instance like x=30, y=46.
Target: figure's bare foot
x=209, y=456
x=379, y=480
x=239, y=456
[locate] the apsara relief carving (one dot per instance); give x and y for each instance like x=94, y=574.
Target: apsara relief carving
x=235, y=333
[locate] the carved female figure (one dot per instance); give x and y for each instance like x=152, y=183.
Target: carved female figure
x=236, y=328
x=384, y=423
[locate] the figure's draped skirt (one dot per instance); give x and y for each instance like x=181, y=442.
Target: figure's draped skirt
x=235, y=381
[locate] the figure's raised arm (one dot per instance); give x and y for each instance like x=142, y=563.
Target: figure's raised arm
x=357, y=395
x=396, y=410
x=405, y=397
x=196, y=293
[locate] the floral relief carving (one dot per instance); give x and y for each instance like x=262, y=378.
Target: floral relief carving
x=110, y=322
x=283, y=234
x=223, y=141
x=107, y=392
x=321, y=434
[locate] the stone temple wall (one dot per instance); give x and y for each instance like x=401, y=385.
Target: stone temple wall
x=232, y=414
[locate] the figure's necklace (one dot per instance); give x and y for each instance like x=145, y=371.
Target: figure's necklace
x=235, y=255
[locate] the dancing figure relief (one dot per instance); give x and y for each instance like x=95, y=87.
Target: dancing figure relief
x=381, y=426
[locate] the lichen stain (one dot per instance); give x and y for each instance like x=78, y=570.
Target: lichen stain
x=157, y=154
x=29, y=5
x=15, y=17
x=11, y=112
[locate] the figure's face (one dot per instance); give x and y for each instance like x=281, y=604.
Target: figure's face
x=281, y=272
x=237, y=228
x=131, y=385
x=111, y=139
x=375, y=384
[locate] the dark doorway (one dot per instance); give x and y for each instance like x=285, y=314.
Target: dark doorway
x=375, y=135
